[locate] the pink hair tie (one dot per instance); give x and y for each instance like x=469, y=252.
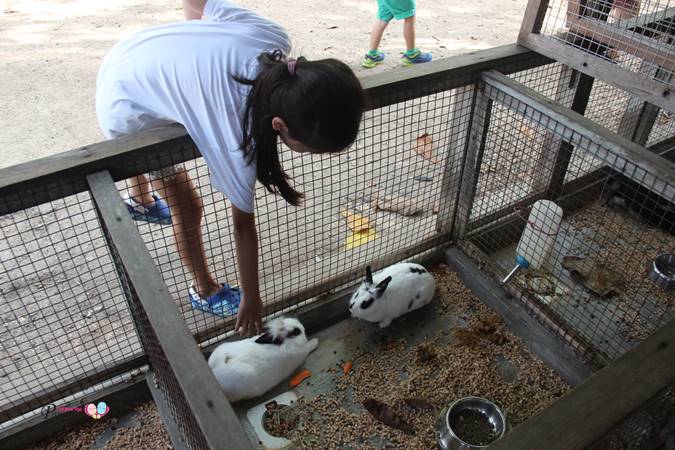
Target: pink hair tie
x=292, y=62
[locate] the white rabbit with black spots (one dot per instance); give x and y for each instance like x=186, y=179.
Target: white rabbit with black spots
x=392, y=292
x=250, y=367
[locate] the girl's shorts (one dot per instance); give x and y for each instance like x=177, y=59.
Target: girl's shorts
x=123, y=118
x=395, y=9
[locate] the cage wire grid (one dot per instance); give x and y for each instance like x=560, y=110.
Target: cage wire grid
x=609, y=106
x=615, y=223
x=82, y=321
x=634, y=34
x=64, y=324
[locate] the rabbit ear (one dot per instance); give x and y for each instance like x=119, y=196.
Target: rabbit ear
x=382, y=286
x=369, y=275
x=267, y=338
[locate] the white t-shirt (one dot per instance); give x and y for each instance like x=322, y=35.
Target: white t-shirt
x=182, y=72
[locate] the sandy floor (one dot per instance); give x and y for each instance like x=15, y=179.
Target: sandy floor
x=50, y=52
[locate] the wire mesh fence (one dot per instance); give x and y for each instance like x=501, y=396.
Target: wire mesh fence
x=379, y=198
x=591, y=250
x=65, y=327
x=613, y=108
x=634, y=34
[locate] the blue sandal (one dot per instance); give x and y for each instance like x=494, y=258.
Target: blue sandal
x=224, y=303
x=158, y=212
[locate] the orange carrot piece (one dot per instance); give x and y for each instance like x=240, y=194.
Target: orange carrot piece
x=300, y=377
x=347, y=367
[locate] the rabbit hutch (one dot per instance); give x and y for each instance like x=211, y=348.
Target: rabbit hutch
x=534, y=180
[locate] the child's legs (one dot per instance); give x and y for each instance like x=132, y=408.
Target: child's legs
x=376, y=34
x=140, y=189
x=409, y=33
x=186, y=216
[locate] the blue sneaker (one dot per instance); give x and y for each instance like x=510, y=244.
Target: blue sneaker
x=224, y=303
x=158, y=212
x=415, y=57
x=371, y=60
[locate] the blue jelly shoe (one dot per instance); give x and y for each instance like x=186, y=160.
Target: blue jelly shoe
x=224, y=303
x=158, y=212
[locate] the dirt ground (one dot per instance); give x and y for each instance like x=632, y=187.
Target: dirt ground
x=50, y=52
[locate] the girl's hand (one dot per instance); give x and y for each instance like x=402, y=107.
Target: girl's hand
x=249, y=317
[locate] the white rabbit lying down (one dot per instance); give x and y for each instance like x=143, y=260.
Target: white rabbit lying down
x=392, y=292
x=250, y=367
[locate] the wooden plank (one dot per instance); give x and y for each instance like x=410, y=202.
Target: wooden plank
x=659, y=174
x=649, y=90
x=644, y=48
x=545, y=345
x=588, y=412
x=462, y=117
x=473, y=157
x=535, y=11
x=394, y=86
x=57, y=176
x=212, y=411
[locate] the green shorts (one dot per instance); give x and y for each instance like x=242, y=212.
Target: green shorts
x=395, y=9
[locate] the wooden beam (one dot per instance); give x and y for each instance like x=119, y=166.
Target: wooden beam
x=649, y=90
x=461, y=120
x=659, y=175
x=535, y=11
x=473, y=157
x=592, y=409
x=395, y=86
x=200, y=392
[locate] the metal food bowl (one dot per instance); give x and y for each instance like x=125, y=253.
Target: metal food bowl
x=448, y=440
x=663, y=272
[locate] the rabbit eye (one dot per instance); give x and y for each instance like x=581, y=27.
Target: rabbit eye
x=296, y=332
x=367, y=303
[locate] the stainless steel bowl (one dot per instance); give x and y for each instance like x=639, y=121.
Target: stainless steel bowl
x=448, y=440
x=663, y=272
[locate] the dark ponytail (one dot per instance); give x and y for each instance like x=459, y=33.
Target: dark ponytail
x=321, y=103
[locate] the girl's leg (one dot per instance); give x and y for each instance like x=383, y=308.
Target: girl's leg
x=140, y=190
x=376, y=34
x=186, y=214
x=409, y=33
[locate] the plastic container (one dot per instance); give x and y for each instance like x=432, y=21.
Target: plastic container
x=538, y=237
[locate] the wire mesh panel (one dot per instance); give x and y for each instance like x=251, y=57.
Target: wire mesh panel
x=634, y=34
x=591, y=244
x=380, y=199
x=65, y=327
x=615, y=109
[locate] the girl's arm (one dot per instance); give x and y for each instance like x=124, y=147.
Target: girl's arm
x=193, y=9
x=249, y=318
